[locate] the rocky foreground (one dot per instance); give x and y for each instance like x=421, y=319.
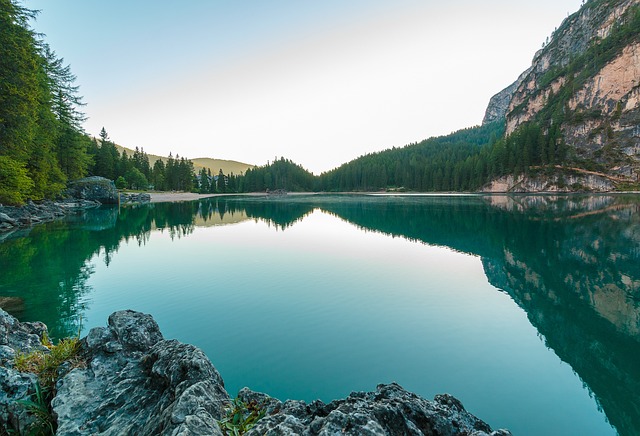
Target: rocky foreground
x=133, y=381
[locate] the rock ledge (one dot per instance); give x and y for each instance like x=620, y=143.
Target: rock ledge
x=137, y=382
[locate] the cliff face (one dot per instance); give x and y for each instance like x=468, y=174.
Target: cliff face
x=587, y=80
x=499, y=103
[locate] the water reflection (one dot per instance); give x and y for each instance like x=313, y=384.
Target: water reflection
x=571, y=262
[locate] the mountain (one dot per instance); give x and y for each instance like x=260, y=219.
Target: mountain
x=586, y=83
x=215, y=165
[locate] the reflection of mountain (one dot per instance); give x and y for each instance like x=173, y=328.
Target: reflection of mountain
x=570, y=262
x=577, y=277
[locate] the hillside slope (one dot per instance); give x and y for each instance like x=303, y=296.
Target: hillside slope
x=215, y=165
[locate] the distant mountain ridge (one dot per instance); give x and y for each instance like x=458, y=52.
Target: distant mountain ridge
x=215, y=165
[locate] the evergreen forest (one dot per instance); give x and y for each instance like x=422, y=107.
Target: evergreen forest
x=43, y=144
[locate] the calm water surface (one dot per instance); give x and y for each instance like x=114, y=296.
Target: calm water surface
x=525, y=308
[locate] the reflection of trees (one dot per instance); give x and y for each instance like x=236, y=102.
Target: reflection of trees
x=49, y=266
x=577, y=277
x=274, y=211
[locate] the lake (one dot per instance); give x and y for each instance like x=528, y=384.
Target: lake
x=526, y=308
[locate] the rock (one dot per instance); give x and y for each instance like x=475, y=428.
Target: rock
x=390, y=410
x=499, y=103
x=29, y=214
x=14, y=385
x=24, y=337
x=94, y=189
x=142, y=197
x=551, y=183
x=138, y=383
x=4, y=218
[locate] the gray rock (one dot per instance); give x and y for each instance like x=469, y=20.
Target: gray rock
x=499, y=103
x=24, y=337
x=138, y=383
x=94, y=189
x=4, y=218
x=29, y=214
x=142, y=197
x=14, y=385
x=390, y=410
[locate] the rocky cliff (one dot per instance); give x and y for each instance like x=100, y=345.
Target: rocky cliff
x=133, y=381
x=586, y=81
x=499, y=103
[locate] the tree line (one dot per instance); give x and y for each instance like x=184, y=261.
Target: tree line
x=42, y=144
x=135, y=171
x=462, y=161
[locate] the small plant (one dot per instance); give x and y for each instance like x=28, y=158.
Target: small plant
x=40, y=406
x=45, y=365
x=240, y=417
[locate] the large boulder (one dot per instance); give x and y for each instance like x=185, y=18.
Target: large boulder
x=135, y=382
x=94, y=189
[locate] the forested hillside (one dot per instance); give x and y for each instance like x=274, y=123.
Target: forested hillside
x=459, y=161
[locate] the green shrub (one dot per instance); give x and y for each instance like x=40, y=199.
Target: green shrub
x=240, y=417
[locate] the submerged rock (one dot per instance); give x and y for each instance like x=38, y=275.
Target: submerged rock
x=136, y=382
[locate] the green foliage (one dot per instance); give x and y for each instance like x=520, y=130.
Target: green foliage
x=121, y=183
x=15, y=184
x=280, y=174
x=45, y=364
x=39, y=405
x=136, y=179
x=448, y=163
x=240, y=417
x=39, y=116
x=204, y=181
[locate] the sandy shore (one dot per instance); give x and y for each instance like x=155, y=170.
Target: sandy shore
x=163, y=197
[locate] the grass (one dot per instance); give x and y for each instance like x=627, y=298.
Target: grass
x=46, y=365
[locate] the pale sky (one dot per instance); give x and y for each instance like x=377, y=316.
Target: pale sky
x=319, y=82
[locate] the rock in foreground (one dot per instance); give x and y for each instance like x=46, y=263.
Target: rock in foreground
x=136, y=382
x=390, y=410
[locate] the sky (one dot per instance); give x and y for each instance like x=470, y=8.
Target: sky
x=319, y=82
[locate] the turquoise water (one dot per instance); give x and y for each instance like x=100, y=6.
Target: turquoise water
x=525, y=308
